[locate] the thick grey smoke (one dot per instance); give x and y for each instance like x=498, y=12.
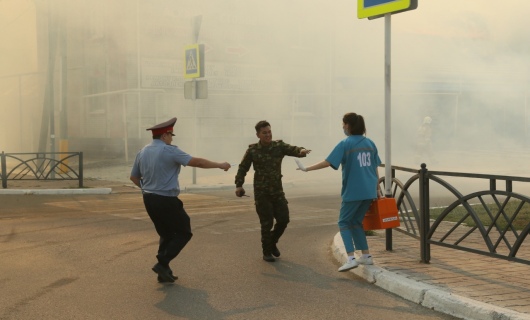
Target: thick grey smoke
x=299, y=64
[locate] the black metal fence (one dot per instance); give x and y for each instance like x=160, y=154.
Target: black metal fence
x=41, y=166
x=469, y=213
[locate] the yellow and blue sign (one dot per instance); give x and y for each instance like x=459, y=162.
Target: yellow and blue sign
x=371, y=8
x=194, y=61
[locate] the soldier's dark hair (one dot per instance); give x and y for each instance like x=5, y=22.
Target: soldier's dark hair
x=261, y=124
x=355, y=122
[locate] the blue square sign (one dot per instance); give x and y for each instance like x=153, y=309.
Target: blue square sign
x=194, y=61
x=371, y=3
x=370, y=8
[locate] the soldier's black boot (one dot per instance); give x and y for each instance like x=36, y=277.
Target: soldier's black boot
x=268, y=257
x=274, y=250
x=266, y=246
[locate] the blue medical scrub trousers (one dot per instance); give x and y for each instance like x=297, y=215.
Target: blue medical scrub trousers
x=351, y=224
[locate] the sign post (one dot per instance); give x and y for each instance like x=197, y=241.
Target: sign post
x=194, y=68
x=388, y=101
x=373, y=9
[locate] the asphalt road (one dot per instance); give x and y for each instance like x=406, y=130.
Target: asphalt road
x=90, y=257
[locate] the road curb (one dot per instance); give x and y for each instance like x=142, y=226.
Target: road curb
x=56, y=191
x=424, y=294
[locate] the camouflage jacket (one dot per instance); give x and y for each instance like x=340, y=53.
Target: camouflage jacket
x=267, y=161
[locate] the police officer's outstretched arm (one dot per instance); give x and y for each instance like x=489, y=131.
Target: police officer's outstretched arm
x=208, y=164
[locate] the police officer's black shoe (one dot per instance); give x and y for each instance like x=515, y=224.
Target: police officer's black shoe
x=161, y=280
x=275, y=252
x=268, y=257
x=172, y=275
x=164, y=273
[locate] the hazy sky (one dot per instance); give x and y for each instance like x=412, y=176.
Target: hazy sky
x=18, y=47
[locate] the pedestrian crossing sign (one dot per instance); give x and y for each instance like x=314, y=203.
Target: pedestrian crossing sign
x=371, y=8
x=194, y=61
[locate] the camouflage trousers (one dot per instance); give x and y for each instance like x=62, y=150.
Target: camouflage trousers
x=269, y=209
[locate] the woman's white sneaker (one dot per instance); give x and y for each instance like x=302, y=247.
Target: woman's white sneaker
x=349, y=265
x=365, y=260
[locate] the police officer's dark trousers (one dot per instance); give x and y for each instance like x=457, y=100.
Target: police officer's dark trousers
x=270, y=208
x=172, y=224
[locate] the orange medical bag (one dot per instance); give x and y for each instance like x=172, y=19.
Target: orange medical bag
x=383, y=214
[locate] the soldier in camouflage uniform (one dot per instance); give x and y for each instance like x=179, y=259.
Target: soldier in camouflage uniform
x=270, y=201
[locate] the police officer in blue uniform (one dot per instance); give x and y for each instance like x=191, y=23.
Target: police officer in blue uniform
x=156, y=170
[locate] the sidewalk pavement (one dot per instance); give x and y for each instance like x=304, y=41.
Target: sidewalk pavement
x=458, y=283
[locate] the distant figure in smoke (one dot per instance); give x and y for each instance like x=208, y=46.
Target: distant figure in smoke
x=424, y=145
x=269, y=198
x=156, y=170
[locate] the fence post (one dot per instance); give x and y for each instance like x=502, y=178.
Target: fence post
x=80, y=169
x=425, y=248
x=388, y=232
x=3, y=170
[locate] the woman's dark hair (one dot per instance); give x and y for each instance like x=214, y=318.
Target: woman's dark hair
x=355, y=123
x=261, y=124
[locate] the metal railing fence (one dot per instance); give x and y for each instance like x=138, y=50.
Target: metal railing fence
x=463, y=214
x=41, y=166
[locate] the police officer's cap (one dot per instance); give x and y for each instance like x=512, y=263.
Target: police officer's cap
x=163, y=127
